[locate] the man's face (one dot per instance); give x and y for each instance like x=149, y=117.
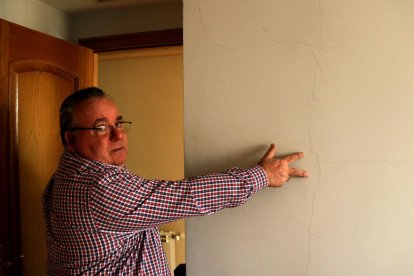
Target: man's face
x=111, y=148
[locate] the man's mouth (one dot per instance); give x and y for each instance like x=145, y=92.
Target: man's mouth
x=118, y=149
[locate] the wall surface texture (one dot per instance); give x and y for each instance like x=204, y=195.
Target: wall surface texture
x=36, y=15
x=331, y=78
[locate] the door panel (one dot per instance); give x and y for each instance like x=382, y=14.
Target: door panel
x=37, y=73
x=38, y=149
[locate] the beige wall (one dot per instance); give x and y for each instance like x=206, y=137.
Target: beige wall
x=36, y=15
x=147, y=85
x=149, y=92
x=330, y=78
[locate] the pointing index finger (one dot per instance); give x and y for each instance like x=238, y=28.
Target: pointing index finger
x=297, y=172
x=293, y=157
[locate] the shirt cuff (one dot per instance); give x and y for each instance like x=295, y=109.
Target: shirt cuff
x=260, y=178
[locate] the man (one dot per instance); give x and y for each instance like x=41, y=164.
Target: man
x=102, y=218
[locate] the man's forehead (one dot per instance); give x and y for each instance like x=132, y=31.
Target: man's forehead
x=97, y=110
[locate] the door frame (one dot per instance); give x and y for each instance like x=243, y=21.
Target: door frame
x=132, y=41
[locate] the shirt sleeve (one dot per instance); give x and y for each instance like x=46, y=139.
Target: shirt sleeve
x=125, y=202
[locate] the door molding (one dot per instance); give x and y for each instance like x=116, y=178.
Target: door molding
x=172, y=37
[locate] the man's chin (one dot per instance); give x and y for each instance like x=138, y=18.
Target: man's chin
x=120, y=163
x=119, y=157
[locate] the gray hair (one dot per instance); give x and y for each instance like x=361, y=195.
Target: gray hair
x=69, y=104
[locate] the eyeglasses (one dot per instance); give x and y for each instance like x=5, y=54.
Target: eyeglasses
x=103, y=129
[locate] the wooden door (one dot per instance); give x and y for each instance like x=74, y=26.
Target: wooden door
x=37, y=72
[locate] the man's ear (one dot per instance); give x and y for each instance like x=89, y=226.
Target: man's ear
x=70, y=141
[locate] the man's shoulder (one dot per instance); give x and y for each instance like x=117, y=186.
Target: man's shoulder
x=73, y=166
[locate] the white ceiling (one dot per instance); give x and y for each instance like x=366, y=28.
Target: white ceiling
x=79, y=6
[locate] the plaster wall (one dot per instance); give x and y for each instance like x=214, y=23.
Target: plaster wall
x=36, y=15
x=331, y=78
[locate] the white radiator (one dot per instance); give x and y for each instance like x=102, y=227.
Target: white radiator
x=168, y=243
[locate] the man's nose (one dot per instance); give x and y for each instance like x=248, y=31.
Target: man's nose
x=116, y=134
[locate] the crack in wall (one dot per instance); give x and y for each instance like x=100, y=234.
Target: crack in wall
x=291, y=43
x=283, y=42
x=203, y=23
x=320, y=72
x=319, y=174
x=265, y=30
x=314, y=99
x=312, y=214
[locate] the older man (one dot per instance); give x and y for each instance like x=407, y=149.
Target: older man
x=102, y=218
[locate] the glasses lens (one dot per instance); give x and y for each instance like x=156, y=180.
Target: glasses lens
x=101, y=130
x=125, y=126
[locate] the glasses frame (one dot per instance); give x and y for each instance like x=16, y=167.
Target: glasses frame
x=97, y=130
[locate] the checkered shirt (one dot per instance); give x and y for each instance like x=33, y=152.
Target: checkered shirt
x=101, y=219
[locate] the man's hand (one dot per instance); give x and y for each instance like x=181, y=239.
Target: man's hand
x=278, y=170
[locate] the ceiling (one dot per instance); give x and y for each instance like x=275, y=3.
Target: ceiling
x=80, y=6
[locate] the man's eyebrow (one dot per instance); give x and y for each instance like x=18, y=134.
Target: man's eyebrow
x=101, y=120
x=105, y=120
